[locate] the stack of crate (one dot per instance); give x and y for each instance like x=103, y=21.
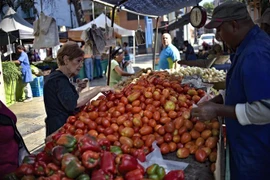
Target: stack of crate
x=37, y=86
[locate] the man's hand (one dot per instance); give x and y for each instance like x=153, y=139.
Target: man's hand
x=205, y=111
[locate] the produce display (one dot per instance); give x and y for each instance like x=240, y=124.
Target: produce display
x=107, y=136
x=207, y=74
x=85, y=158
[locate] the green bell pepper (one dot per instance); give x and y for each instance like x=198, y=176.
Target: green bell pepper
x=74, y=169
x=155, y=172
x=116, y=150
x=66, y=159
x=68, y=141
x=154, y=177
x=152, y=169
x=83, y=177
x=161, y=172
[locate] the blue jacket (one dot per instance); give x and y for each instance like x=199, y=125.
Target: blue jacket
x=248, y=81
x=25, y=68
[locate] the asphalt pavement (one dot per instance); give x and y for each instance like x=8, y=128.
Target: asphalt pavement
x=31, y=115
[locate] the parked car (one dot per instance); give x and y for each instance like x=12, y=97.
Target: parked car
x=208, y=38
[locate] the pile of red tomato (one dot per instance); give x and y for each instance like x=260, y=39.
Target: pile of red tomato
x=155, y=108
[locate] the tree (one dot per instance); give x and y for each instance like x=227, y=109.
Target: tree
x=209, y=7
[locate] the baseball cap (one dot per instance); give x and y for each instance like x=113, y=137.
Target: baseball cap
x=227, y=11
x=265, y=18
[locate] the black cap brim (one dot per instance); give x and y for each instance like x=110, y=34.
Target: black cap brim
x=213, y=24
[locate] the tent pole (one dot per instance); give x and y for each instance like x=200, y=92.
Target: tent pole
x=110, y=52
x=155, y=44
x=10, y=56
x=134, y=49
x=93, y=10
x=41, y=6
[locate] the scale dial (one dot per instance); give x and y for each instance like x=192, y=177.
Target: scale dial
x=198, y=16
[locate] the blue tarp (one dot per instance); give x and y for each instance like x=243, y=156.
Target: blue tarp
x=153, y=7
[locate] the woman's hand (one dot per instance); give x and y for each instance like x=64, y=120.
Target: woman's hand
x=81, y=84
x=106, y=89
x=205, y=111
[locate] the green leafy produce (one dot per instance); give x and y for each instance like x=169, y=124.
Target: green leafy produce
x=11, y=72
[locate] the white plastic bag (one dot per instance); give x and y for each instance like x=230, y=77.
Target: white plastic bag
x=156, y=157
x=130, y=69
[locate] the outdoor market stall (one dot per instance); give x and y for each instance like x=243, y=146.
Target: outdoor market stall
x=155, y=106
x=102, y=21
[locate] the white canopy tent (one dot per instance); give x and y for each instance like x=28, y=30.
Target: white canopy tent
x=101, y=21
x=12, y=21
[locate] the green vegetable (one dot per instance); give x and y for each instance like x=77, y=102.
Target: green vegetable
x=155, y=172
x=10, y=72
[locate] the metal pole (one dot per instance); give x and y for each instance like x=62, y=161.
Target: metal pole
x=110, y=52
x=41, y=6
x=155, y=44
x=71, y=19
x=10, y=56
x=93, y=10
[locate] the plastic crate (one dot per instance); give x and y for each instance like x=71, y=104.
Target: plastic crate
x=37, y=92
x=37, y=86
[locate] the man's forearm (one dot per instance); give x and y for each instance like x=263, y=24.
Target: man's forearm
x=226, y=111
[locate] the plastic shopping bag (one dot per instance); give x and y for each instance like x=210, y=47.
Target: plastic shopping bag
x=156, y=157
x=130, y=69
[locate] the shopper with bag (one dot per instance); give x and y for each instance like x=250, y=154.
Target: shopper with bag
x=117, y=71
x=11, y=142
x=246, y=103
x=61, y=97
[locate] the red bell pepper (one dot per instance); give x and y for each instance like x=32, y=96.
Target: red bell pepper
x=107, y=162
x=56, y=136
x=134, y=175
x=58, y=153
x=175, y=175
x=127, y=163
x=54, y=177
x=141, y=168
x=48, y=147
x=88, y=142
x=40, y=168
x=25, y=169
x=141, y=155
x=30, y=159
x=44, y=157
x=104, y=143
x=28, y=177
x=90, y=159
x=51, y=169
x=60, y=173
x=101, y=175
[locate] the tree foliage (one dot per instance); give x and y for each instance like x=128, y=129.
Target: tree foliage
x=209, y=7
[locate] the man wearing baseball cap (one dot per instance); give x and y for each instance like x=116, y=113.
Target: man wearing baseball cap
x=246, y=103
x=265, y=21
